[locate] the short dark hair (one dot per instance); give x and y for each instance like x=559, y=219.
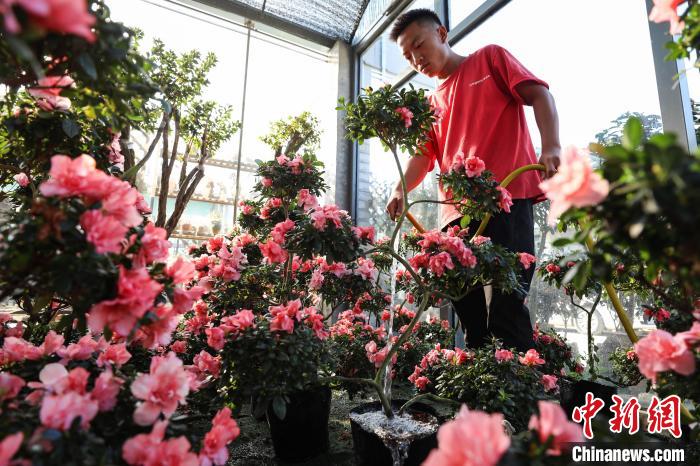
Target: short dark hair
x=403, y=21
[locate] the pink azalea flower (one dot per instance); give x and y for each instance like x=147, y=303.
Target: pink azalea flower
x=439, y=262
x=247, y=209
x=22, y=179
x=136, y=292
x=152, y=450
x=104, y=232
x=9, y=446
x=473, y=438
x=154, y=246
x=550, y=382
x=364, y=233
x=115, y=151
x=283, y=316
x=114, y=355
x=406, y=115
x=273, y=252
x=141, y=205
x=503, y=355
x=59, y=411
x=10, y=385
x=479, y=240
x=52, y=343
x=214, y=244
x=574, y=185
x=179, y=346
x=323, y=215
x=306, y=200
x=67, y=17
x=526, y=259
x=660, y=351
x=69, y=177
x=166, y=386
x=106, y=390
x=266, y=182
x=667, y=10
x=224, y=430
x=531, y=358
x=691, y=337
x=181, y=270
x=552, y=423
x=280, y=230
x=215, y=337
x=505, y=200
x=205, y=362
x=316, y=280
x=474, y=166
x=119, y=200
x=366, y=269
x=552, y=268
x=81, y=350
x=47, y=94
x=17, y=350
x=183, y=299
x=421, y=382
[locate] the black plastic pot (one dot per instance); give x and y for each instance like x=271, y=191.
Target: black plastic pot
x=573, y=394
x=371, y=451
x=303, y=433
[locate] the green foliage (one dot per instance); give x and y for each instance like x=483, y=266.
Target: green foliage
x=110, y=72
x=294, y=134
x=272, y=364
x=475, y=196
x=374, y=115
x=493, y=265
x=624, y=364
x=486, y=384
x=555, y=351
x=651, y=209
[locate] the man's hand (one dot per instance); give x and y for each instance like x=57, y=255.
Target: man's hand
x=550, y=160
x=395, y=205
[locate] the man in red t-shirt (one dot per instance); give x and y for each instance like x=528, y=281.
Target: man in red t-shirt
x=481, y=100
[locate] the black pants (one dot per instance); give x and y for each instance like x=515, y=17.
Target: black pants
x=508, y=319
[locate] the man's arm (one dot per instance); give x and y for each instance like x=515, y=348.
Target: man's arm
x=542, y=102
x=416, y=169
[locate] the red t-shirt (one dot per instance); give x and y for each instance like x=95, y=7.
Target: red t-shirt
x=482, y=115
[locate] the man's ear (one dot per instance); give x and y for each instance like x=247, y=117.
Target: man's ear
x=442, y=32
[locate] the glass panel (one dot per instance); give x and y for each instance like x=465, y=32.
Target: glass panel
x=382, y=63
x=460, y=9
x=598, y=80
x=273, y=92
x=284, y=80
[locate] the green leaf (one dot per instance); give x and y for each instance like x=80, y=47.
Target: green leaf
x=71, y=128
x=561, y=242
x=465, y=221
x=633, y=134
x=279, y=407
x=88, y=65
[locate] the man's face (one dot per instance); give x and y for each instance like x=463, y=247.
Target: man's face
x=423, y=44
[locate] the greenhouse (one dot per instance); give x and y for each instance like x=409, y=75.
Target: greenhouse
x=361, y=232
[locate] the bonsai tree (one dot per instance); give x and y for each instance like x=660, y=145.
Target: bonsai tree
x=444, y=265
x=182, y=118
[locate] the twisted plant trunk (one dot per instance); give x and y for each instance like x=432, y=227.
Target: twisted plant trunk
x=187, y=186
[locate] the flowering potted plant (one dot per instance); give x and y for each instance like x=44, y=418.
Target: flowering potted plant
x=77, y=256
x=491, y=379
x=645, y=213
x=270, y=287
x=444, y=265
x=556, y=272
